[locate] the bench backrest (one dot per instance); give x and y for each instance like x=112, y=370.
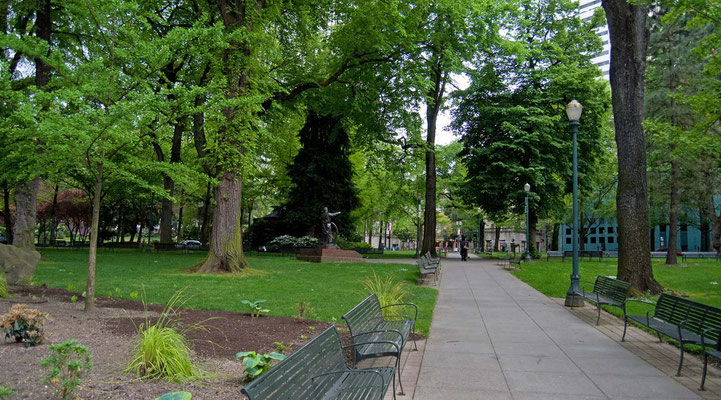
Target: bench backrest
x=292, y=377
x=365, y=316
x=613, y=288
x=698, y=317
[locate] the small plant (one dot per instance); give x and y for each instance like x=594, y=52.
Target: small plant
x=303, y=309
x=133, y=295
x=70, y=287
x=161, y=348
x=281, y=347
x=3, y=287
x=303, y=337
x=311, y=329
x=67, y=362
x=388, y=290
x=5, y=392
x=24, y=324
x=74, y=299
x=257, y=364
x=255, y=307
x=175, y=396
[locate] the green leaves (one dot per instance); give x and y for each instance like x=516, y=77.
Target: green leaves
x=257, y=364
x=68, y=362
x=255, y=307
x=175, y=396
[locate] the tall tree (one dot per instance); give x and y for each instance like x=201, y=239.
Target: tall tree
x=629, y=45
x=511, y=118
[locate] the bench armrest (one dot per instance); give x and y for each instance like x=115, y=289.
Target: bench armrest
x=404, y=304
x=380, y=331
x=352, y=371
x=703, y=334
x=398, y=349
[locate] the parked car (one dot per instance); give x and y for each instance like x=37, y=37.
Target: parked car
x=189, y=244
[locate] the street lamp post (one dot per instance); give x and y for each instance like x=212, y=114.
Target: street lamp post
x=527, y=256
x=418, y=233
x=573, y=296
x=479, y=245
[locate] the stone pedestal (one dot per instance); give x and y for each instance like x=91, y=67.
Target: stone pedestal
x=322, y=255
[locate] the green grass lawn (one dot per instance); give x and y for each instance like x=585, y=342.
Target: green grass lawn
x=331, y=289
x=699, y=279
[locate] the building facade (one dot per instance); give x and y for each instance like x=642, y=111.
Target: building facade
x=586, y=8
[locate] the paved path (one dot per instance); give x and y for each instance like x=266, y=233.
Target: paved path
x=494, y=337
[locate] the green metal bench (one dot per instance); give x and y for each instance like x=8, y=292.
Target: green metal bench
x=426, y=267
x=318, y=370
x=378, y=335
x=712, y=351
x=683, y=320
x=608, y=291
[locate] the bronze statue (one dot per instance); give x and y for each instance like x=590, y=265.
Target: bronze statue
x=327, y=228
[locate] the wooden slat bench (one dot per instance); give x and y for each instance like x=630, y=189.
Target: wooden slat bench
x=608, y=291
x=318, y=370
x=383, y=335
x=681, y=319
x=711, y=351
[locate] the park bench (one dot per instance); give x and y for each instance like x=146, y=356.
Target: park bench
x=699, y=254
x=425, y=267
x=658, y=254
x=584, y=253
x=553, y=253
x=379, y=335
x=608, y=291
x=683, y=320
x=318, y=370
x=712, y=351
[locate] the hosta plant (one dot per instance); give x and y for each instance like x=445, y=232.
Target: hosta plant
x=257, y=364
x=255, y=307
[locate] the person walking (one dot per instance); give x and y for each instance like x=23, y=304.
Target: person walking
x=464, y=249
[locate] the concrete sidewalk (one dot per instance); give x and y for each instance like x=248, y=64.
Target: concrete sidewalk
x=494, y=337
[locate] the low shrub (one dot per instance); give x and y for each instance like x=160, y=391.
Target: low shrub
x=387, y=289
x=24, y=324
x=257, y=364
x=161, y=350
x=348, y=245
x=292, y=242
x=67, y=362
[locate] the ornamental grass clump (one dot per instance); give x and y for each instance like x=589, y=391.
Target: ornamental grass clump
x=24, y=324
x=386, y=289
x=161, y=350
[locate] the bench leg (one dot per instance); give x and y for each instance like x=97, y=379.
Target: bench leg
x=394, y=387
x=680, y=363
x=625, y=324
x=703, y=374
x=598, y=318
x=661, y=340
x=398, y=367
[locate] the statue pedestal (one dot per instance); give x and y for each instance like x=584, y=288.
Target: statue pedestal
x=323, y=255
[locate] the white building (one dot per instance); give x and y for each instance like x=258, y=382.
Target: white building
x=586, y=8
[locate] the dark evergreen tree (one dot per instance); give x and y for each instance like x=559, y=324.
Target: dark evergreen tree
x=322, y=175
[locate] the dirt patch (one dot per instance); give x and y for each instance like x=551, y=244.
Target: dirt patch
x=108, y=333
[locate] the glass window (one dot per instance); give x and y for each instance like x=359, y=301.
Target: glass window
x=568, y=240
x=610, y=229
x=593, y=240
x=610, y=239
x=568, y=231
x=601, y=239
x=593, y=231
x=602, y=230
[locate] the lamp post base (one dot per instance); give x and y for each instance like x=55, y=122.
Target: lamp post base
x=574, y=300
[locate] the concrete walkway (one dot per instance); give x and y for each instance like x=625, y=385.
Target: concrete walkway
x=494, y=337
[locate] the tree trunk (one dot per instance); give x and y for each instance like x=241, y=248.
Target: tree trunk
x=93, y=254
x=497, y=245
x=673, y=214
x=370, y=231
x=6, y=214
x=226, y=249
x=629, y=40
x=54, y=217
x=205, y=226
x=26, y=196
x=180, y=223
x=433, y=107
x=380, y=235
x=554, y=237
x=715, y=223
